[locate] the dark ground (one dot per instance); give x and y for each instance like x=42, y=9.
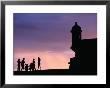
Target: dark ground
x=51, y=72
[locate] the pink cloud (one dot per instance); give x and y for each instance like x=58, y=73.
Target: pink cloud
x=49, y=59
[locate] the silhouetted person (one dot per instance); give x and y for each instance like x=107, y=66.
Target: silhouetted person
x=32, y=66
x=39, y=65
x=18, y=69
x=26, y=67
x=22, y=64
x=76, y=36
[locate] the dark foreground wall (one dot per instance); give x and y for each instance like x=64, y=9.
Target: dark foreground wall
x=86, y=61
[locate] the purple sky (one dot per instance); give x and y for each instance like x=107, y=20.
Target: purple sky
x=39, y=32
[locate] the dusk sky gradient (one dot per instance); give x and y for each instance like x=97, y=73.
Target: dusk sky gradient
x=47, y=35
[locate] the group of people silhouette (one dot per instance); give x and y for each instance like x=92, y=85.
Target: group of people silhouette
x=21, y=65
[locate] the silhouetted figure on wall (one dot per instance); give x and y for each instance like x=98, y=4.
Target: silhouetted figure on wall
x=39, y=65
x=22, y=64
x=18, y=69
x=76, y=36
x=26, y=67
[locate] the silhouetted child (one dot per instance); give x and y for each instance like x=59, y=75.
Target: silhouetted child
x=39, y=66
x=26, y=67
x=22, y=64
x=18, y=69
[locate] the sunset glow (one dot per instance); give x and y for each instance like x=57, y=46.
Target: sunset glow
x=47, y=35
